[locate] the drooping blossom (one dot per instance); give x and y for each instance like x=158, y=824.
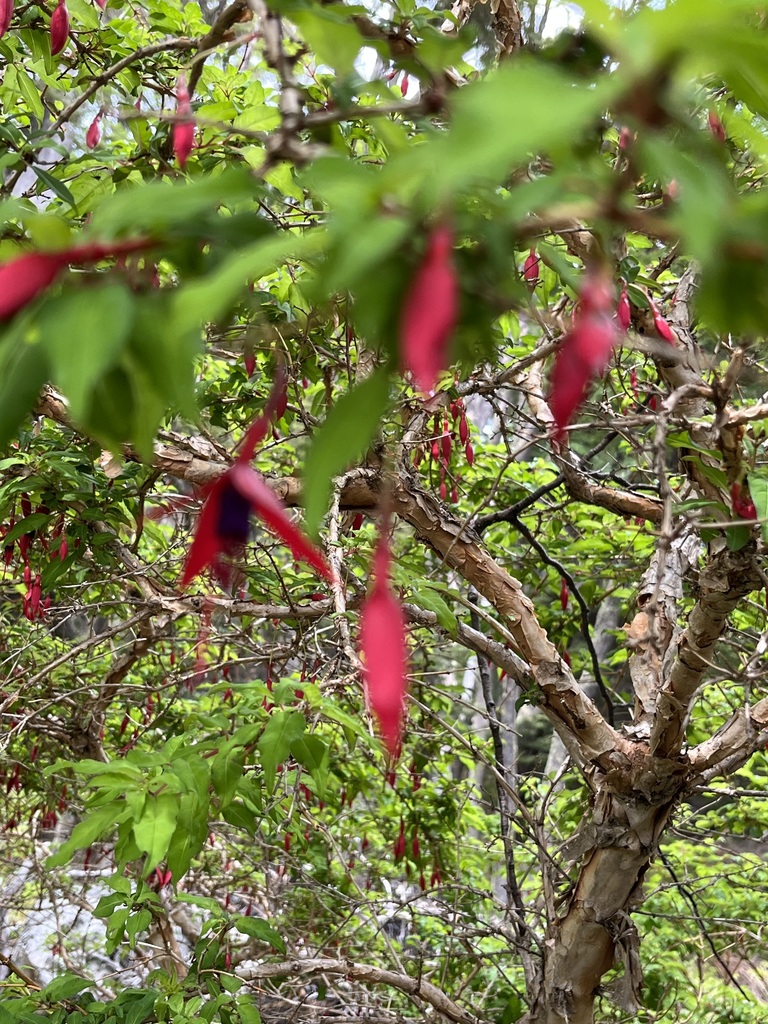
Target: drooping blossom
x=183, y=132
x=24, y=278
x=662, y=327
x=6, y=13
x=384, y=649
x=585, y=351
x=623, y=311
x=225, y=518
x=59, y=27
x=93, y=135
x=428, y=316
x=742, y=503
x=531, y=269
x=715, y=125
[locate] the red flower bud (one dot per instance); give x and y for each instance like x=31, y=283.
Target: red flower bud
x=662, y=327
x=531, y=269
x=399, y=847
x=742, y=503
x=469, y=451
x=430, y=310
x=404, y=86
x=623, y=311
x=584, y=351
x=626, y=137
x=446, y=444
x=183, y=132
x=716, y=126
x=563, y=594
x=6, y=13
x=463, y=429
x=93, y=135
x=415, y=847
x=385, y=652
x=59, y=28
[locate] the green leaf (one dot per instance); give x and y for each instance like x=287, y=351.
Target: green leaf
x=283, y=728
x=226, y=772
x=65, y=986
x=312, y=753
x=344, y=436
x=97, y=824
x=758, y=489
x=154, y=830
x=330, y=35
x=23, y=371
x=189, y=835
x=26, y=525
x=28, y=90
x=56, y=186
x=737, y=537
x=207, y=301
x=426, y=598
x=248, y=1012
x=257, y=928
x=84, y=334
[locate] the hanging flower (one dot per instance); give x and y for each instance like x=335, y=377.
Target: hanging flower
x=531, y=269
x=384, y=649
x=59, y=28
x=430, y=310
x=93, y=135
x=585, y=351
x=24, y=278
x=623, y=310
x=662, y=327
x=6, y=13
x=225, y=519
x=183, y=131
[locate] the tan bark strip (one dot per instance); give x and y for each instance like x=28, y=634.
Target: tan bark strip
x=733, y=743
x=622, y=503
x=728, y=577
x=418, y=987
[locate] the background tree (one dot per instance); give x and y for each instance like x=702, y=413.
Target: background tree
x=477, y=292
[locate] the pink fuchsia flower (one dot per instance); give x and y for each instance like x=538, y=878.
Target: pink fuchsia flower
x=224, y=525
x=24, y=278
x=623, y=310
x=183, y=131
x=6, y=13
x=585, y=351
x=662, y=327
x=59, y=28
x=385, y=651
x=93, y=135
x=531, y=269
x=429, y=313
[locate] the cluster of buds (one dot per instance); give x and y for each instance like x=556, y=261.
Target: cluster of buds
x=444, y=442
x=35, y=604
